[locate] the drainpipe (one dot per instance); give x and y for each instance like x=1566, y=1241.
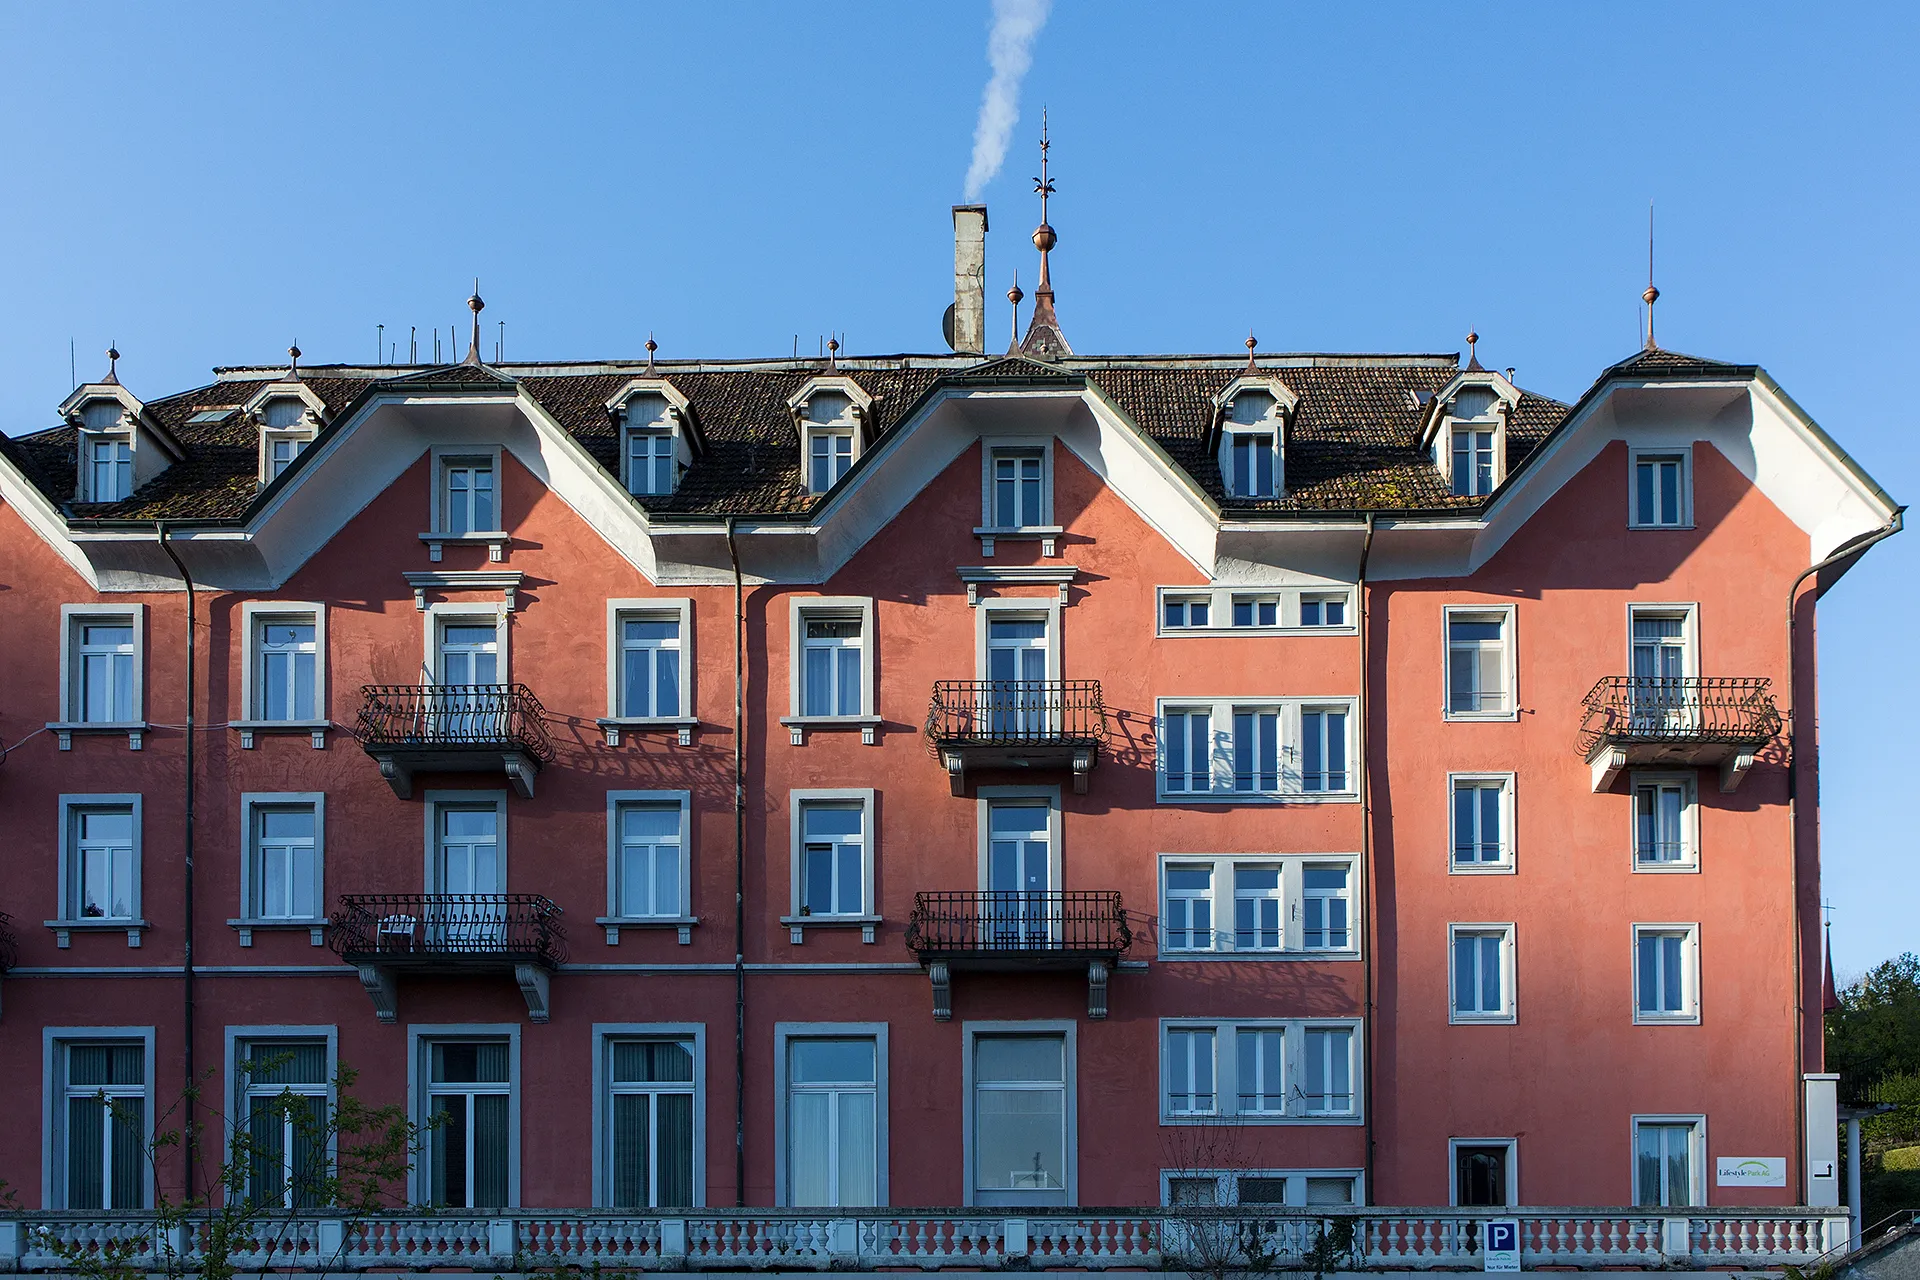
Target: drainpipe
x=1850, y=550
x=739, y=884
x=186, y=955
x=1366, y=862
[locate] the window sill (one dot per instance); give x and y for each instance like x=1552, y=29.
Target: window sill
x=1660, y=528
x=316, y=729
x=1330, y=954
x=1175, y=633
x=65, y=729
x=1665, y=1019
x=1481, y=868
x=495, y=542
x=1258, y=797
x=798, y=925
x=614, y=924
x=797, y=727
x=1256, y=1119
x=1482, y=1020
x=1688, y=868
x=316, y=928
x=63, y=930
x=1047, y=535
x=1469, y=716
x=614, y=726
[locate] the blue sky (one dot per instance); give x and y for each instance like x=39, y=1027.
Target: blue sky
x=206, y=183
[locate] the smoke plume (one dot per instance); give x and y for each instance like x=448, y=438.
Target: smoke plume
x=1009, y=52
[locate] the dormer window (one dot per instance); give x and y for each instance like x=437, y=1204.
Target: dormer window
x=1252, y=425
x=1472, y=461
x=289, y=414
x=1467, y=431
x=657, y=436
x=831, y=415
x=106, y=453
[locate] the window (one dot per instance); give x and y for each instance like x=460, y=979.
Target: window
x=1483, y=972
x=109, y=469
x=649, y=463
x=832, y=668
x=467, y=862
x=1662, y=490
x=1668, y=1158
x=1189, y=1071
x=102, y=857
x=1664, y=819
x=1329, y=1072
x=1277, y=750
x=1187, y=922
x=830, y=457
x=283, y=873
x=1210, y=1187
x=1482, y=820
x=1479, y=664
x=651, y=1113
x=1472, y=461
x=285, y=428
x=834, y=1121
x=1256, y=611
x=283, y=1099
x=1323, y=611
x=832, y=848
x=1293, y=906
x=1021, y=872
x=1185, y=611
x=101, y=1123
x=1022, y=1119
x=102, y=664
x=470, y=1104
x=1666, y=973
x=649, y=666
x=1254, y=464
x=1483, y=1173
x=281, y=451
x=648, y=856
x=287, y=651
x=467, y=496
x=1019, y=497
x=1259, y=1071
x=831, y=672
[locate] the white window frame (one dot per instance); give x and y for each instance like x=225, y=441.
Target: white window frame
x=1689, y=1014
x=437, y=534
x=1068, y=1032
x=239, y=1038
x=1684, y=452
x=1029, y=607
x=442, y=613
x=1324, y=598
x=1512, y=1146
x=868, y=921
x=1689, y=784
x=604, y=1034
x=1221, y=895
x=1509, y=973
x=421, y=1037
x=786, y=1032
x=682, y=920
x=1227, y=1183
x=87, y=438
x=1494, y=426
x=67, y=920
x=73, y=617
x=1293, y=1072
x=54, y=1043
x=1220, y=599
x=986, y=797
x=434, y=801
x=254, y=616
x=1688, y=611
x=249, y=918
x=1696, y=1156
x=1044, y=528
x=1510, y=658
x=1291, y=789
x=680, y=608
x=801, y=609
x=1231, y=434
x=1507, y=864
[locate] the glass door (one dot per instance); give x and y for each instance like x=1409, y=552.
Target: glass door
x=468, y=671
x=1659, y=667
x=1019, y=878
x=468, y=879
x=1017, y=672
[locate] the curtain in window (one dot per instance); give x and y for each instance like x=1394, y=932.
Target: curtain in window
x=129, y=1121
x=86, y=1153
x=675, y=1156
x=809, y=1149
x=857, y=1150
x=490, y=1143
x=630, y=1171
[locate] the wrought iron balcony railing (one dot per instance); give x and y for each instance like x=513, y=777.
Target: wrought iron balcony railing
x=1013, y=713
x=413, y=728
x=1721, y=710
x=448, y=931
x=9, y=947
x=991, y=923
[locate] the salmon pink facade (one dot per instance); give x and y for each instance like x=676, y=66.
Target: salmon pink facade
x=929, y=780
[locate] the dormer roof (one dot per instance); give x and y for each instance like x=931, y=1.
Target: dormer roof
x=287, y=389
x=1284, y=399
x=1506, y=397
x=132, y=411
x=839, y=384
x=679, y=408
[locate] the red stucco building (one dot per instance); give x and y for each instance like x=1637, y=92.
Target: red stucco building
x=1033, y=780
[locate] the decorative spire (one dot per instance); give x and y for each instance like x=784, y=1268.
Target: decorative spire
x=1252, y=342
x=833, y=354
x=1015, y=296
x=1044, y=339
x=113, y=363
x=1650, y=295
x=293, y=361
x=1473, y=340
x=475, y=305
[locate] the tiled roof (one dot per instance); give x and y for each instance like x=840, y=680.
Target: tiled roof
x=1354, y=442
x=1656, y=361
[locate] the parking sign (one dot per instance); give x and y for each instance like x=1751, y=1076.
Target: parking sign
x=1503, y=1245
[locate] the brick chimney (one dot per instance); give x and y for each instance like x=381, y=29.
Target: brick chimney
x=970, y=278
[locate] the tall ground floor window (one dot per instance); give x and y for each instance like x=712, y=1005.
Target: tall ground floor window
x=651, y=1143
x=470, y=1106
x=1668, y=1152
x=101, y=1124
x=833, y=1120
x=1022, y=1137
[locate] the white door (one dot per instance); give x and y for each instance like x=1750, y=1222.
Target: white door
x=467, y=873
x=467, y=668
x=1019, y=877
x=1017, y=670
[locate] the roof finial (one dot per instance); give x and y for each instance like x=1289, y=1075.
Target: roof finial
x=652, y=347
x=833, y=354
x=293, y=361
x=475, y=305
x=1044, y=338
x=1015, y=296
x=113, y=362
x=1252, y=342
x=1473, y=339
x=1651, y=295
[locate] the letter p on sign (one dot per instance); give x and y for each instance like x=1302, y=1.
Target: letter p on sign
x=1503, y=1245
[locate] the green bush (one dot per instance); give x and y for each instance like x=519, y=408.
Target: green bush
x=1889, y=1193
x=1901, y=1160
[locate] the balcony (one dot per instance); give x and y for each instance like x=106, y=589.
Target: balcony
x=1680, y=721
x=1017, y=724
x=455, y=728
x=1014, y=930
x=457, y=934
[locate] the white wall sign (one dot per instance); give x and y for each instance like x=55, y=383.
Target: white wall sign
x=1750, y=1171
x=1503, y=1245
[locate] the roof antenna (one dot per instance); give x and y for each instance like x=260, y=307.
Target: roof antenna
x=1252, y=342
x=1652, y=295
x=1473, y=339
x=379, y=344
x=474, y=304
x=293, y=361
x=113, y=363
x=652, y=347
x=73, y=367
x=1015, y=296
x=500, y=345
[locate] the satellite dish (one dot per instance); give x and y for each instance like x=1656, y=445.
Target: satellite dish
x=946, y=326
